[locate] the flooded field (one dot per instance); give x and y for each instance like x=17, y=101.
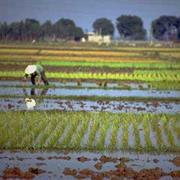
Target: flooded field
x=47, y=98
x=107, y=114
x=94, y=92
x=87, y=105
x=87, y=165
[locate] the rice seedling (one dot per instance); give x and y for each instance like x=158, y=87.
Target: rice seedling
x=135, y=122
x=52, y=141
x=169, y=134
x=67, y=139
x=103, y=133
x=146, y=128
x=125, y=128
x=136, y=76
x=94, y=129
x=157, y=130
x=114, y=132
x=80, y=132
x=27, y=130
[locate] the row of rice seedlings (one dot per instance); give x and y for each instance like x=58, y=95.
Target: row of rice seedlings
x=125, y=129
x=114, y=133
x=95, y=126
x=65, y=143
x=27, y=126
x=136, y=132
x=159, y=85
x=46, y=132
x=176, y=127
x=80, y=133
x=158, y=133
x=34, y=134
x=150, y=76
x=100, y=141
x=159, y=64
x=168, y=133
x=13, y=129
x=147, y=130
x=4, y=125
x=52, y=141
x=8, y=131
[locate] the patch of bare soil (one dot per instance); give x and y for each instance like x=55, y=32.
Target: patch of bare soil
x=69, y=172
x=18, y=173
x=121, y=171
x=83, y=159
x=60, y=157
x=176, y=161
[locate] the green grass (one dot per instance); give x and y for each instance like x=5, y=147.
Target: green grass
x=43, y=130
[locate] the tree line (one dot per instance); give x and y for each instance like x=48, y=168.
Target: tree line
x=129, y=28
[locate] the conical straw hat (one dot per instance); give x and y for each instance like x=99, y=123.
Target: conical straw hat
x=30, y=69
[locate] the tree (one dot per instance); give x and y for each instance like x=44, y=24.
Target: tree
x=46, y=29
x=103, y=26
x=78, y=34
x=32, y=28
x=131, y=27
x=65, y=29
x=4, y=28
x=165, y=28
x=14, y=31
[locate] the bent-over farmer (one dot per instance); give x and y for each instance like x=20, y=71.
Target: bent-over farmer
x=36, y=70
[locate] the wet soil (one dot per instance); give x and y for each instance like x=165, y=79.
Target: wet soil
x=87, y=165
x=85, y=105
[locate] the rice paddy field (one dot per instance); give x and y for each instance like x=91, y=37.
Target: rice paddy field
x=107, y=113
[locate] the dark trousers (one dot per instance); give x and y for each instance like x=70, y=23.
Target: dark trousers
x=43, y=78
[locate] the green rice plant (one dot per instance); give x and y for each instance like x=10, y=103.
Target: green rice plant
x=147, y=130
x=67, y=139
x=5, y=136
x=79, y=134
x=114, y=133
x=158, y=132
x=38, y=129
x=169, y=134
x=94, y=128
x=56, y=134
x=27, y=126
x=125, y=129
x=176, y=127
x=46, y=132
x=135, y=122
x=103, y=133
x=31, y=137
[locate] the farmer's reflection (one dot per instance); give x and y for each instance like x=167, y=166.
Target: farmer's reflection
x=31, y=102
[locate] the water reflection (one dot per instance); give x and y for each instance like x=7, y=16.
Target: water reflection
x=31, y=102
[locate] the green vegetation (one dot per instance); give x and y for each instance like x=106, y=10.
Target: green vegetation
x=138, y=75
x=66, y=130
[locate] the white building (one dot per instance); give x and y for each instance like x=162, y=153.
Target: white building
x=94, y=37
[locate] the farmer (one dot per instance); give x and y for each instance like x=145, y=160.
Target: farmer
x=36, y=70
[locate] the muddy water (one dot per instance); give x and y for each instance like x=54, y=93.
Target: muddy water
x=83, y=84
x=54, y=163
x=92, y=92
x=76, y=105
